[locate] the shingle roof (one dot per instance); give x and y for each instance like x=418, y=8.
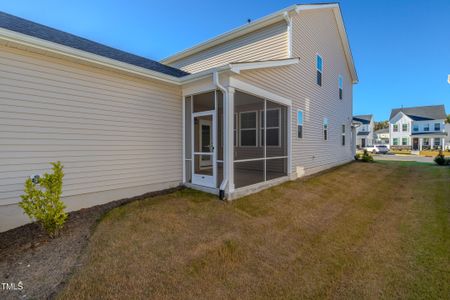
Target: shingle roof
x=418, y=113
x=23, y=26
x=365, y=119
x=363, y=133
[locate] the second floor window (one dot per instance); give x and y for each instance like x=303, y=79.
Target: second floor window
x=404, y=127
x=325, y=129
x=319, y=67
x=343, y=135
x=437, y=126
x=416, y=127
x=426, y=127
x=395, y=127
x=341, y=86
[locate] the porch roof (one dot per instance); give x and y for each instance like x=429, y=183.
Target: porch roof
x=429, y=134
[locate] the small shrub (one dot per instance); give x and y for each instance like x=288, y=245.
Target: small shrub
x=357, y=156
x=440, y=158
x=367, y=157
x=41, y=200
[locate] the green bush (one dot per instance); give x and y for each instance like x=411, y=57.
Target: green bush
x=41, y=200
x=366, y=157
x=440, y=159
x=357, y=156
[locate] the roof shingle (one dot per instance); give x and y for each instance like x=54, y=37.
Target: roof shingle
x=33, y=29
x=421, y=113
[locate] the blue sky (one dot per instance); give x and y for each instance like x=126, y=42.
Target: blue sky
x=401, y=48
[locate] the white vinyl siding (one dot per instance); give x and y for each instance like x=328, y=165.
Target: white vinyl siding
x=265, y=44
x=313, y=32
x=110, y=131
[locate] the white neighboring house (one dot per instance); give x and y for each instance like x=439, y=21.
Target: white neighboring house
x=382, y=136
x=365, y=132
x=418, y=128
x=447, y=143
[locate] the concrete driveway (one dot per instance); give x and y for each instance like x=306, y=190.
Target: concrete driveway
x=396, y=157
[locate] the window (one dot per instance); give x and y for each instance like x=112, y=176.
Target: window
x=273, y=127
x=395, y=141
x=404, y=127
x=343, y=135
x=299, y=124
x=247, y=131
x=426, y=127
x=395, y=127
x=319, y=67
x=426, y=141
x=404, y=141
x=415, y=127
x=341, y=86
x=325, y=129
x=437, y=126
x=437, y=141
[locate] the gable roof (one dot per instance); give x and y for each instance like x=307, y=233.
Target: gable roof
x=421, y=113
x=365, y=119
x=43, y=32
x=266, y=21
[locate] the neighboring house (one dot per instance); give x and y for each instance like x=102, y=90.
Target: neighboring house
x=418, y=128
x=382, y=136
x=447, y=142
x=267, y=102
x=365, y=131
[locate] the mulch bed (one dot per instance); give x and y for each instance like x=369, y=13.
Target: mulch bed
x=44, y=265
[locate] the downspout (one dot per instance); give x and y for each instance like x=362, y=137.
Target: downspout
x=288, y=20
x=224, y=183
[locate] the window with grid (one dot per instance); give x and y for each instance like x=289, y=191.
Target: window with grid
x=341, y=86
x=248, y=129
x=300, y=124
x=273, y=127
x=325, y=129
x=343, y=135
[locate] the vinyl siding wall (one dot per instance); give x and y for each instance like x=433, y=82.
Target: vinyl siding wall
x=109, y=130
x=313, y=32
x=267, y=43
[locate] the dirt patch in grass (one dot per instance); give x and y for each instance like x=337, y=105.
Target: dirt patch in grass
x=374, y=231
x=42, y=264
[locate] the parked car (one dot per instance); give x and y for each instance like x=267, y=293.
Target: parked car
x=378, y=149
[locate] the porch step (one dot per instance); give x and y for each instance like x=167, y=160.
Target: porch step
x=415, y=152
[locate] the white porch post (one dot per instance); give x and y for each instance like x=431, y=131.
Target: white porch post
x=230, y=140
x=420, y=144
x=442, y=144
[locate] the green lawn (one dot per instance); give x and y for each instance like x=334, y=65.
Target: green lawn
x=360, y=231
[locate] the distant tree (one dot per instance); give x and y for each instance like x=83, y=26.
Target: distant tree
x=448, y=119
x=381, y=125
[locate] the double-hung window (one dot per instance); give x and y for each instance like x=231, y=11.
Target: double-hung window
x=325, y=129
x=300, y=124
x=426, y=127
x=437, y=126
x=404, y=127
x=341, y=86
x=404, y=141
x=395, y=141
x=319, y=68
x=415, y=127
x=395, y=127
x=273, y=127
x=248, y=129
x=343, y=134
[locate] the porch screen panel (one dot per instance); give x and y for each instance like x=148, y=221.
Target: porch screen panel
x=188, y=137
x=220, y=137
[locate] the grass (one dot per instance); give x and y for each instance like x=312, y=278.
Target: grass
x=430, y=153
x=372, y=231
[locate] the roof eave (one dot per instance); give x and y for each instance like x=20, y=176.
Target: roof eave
x=13, y=37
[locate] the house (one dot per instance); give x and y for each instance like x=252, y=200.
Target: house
x=382, y=136
x=365, y=131
x=447, y=141
x=267, y=102
x=418, y=128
